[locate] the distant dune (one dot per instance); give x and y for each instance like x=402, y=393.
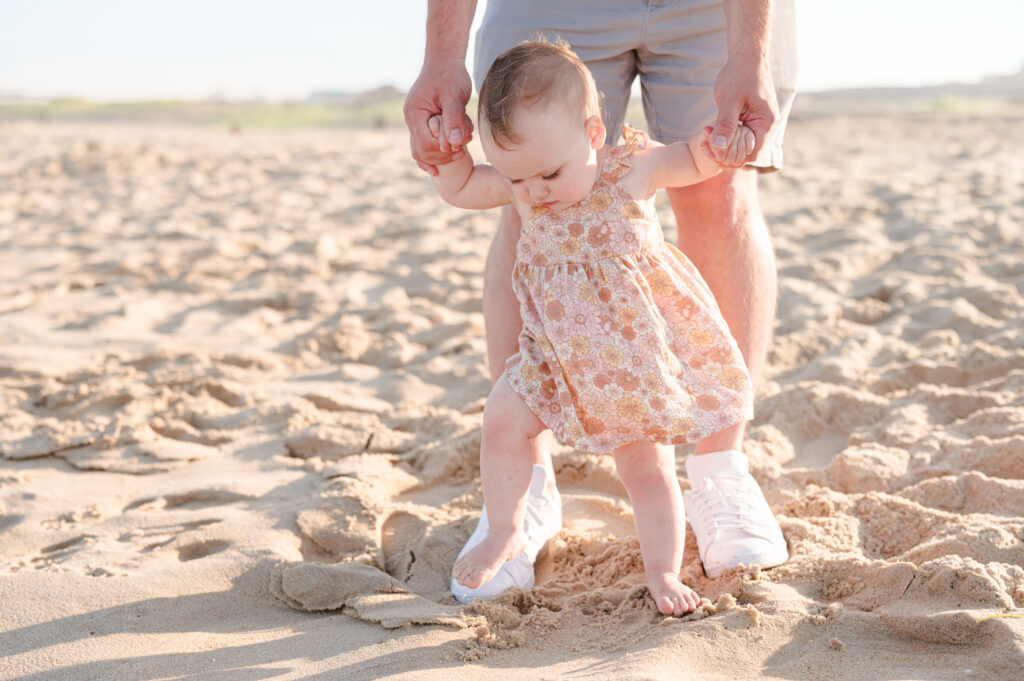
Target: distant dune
x=994, y=87
x=382, y=107
x=992, y=90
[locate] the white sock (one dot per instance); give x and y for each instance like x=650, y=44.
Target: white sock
x=729, y=461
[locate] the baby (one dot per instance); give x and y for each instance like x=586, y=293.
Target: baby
x=623, y=349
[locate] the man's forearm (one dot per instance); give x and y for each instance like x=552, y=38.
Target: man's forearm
x=448, y=24
x=748, y=25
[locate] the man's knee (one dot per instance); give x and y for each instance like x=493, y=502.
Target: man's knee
x=502, y=253
x=502, y=322
x=509, y=226
x=726, y=202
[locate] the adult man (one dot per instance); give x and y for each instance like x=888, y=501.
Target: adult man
x=695, y=58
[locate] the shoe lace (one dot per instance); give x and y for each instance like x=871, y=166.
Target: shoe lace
x=723, y=500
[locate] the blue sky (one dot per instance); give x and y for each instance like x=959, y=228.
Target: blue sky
x=124, y=50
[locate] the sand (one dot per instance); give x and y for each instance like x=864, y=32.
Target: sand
x=242, y=380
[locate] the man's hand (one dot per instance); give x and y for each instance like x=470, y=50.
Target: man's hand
x=443, y=88
x=436, y=124
x=735, y=154
x=744, y=94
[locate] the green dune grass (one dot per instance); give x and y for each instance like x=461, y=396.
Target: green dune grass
x=214, y=114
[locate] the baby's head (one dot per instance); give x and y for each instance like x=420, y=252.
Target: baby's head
x=536, y=75
x=540, y=122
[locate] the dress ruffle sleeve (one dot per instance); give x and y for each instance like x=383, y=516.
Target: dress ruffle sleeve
x=618, y=164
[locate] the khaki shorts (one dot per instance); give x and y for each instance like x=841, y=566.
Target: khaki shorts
x=676, y=47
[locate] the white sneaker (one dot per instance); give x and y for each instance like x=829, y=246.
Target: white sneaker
x=543, y=521
x=729, y=514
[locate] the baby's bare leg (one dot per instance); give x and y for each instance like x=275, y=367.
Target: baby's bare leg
x=506, y=467
x=503, y=323
x=649, y=473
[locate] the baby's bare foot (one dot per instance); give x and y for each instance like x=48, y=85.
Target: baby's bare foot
x=485, y=559
x=670, y=595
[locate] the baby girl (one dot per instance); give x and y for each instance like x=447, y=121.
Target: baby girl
x=623, y=349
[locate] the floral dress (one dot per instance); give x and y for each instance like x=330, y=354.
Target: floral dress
x=622, y=340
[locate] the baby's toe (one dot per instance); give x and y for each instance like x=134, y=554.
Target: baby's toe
x=476, y=579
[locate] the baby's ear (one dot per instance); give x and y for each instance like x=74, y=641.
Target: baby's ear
x=596, y=132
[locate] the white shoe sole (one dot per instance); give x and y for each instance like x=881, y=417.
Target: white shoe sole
x=765, y=560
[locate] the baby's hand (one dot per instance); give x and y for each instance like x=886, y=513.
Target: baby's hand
x=736, y=154
x=436, y=124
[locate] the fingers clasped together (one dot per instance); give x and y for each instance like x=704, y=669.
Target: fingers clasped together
x=442, y=90
x=730, y=155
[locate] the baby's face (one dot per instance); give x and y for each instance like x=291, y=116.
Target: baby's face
x=555, y=164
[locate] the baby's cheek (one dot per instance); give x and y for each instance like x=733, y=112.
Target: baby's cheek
x=576, y=188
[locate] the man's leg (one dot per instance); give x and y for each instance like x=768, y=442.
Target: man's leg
x=501, y=307
x=502, y=322
x=722, y=231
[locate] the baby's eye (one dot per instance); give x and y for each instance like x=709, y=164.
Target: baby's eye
x=552, y=175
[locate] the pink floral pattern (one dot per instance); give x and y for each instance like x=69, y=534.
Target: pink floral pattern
x=622, y=340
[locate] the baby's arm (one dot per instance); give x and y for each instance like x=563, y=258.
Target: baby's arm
x=465, y=185
x=685, y=163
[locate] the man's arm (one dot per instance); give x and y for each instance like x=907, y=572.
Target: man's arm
x=748, y=28
x=443, y=86
x=744, y=90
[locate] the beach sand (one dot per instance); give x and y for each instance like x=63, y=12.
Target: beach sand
x=241, y=387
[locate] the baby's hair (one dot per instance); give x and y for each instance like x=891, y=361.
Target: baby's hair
x=536, y=72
